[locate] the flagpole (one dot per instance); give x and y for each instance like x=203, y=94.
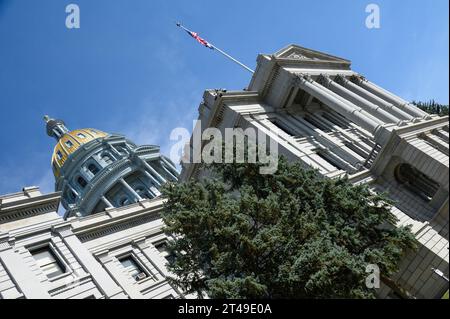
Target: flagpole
x=220, y=51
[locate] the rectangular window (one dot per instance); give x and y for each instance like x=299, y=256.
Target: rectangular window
x=133, y=268
x=69, y=143
x=284, y=127
x=59, y=155
x=48, y=262
x=162, y=247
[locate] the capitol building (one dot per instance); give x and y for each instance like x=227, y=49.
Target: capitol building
x=110, y=241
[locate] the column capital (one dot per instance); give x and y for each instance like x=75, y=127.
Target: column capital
x=301, y=78
x=324, y=80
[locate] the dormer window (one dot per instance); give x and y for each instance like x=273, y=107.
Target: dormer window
x=59, y=155
x=69, y=143
x=81, y=135
x=93, y=169
x=81, y=181
x=106, y=158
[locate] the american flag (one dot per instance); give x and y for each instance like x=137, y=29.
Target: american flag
x=200, y=40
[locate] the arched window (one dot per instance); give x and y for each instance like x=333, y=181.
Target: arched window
x=71, y=196
x=93, y=168
x=81, y=181
x=415, y=181
x=106, y=158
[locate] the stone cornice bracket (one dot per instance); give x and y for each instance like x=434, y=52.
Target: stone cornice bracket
x=103, y=256
x=63, y=230
x=140, y=243
x=6, y=241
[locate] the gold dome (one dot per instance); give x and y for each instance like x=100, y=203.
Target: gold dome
x=69, y=143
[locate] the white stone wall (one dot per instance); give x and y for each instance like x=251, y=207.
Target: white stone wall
x=88, y=248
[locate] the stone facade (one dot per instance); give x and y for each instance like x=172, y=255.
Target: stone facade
x=330, y=118
x=110, y=243
x=85, y=257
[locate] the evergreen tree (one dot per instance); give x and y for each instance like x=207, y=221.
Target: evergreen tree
x=432, y=107
x=293, y=234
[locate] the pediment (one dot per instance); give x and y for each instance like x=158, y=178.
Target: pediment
x=298, y=53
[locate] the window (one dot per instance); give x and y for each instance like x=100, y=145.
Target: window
x=106, y=158
x=81, y=135
x=284, y=127
x=132, y=268
x=163, y=248
x=69, y=143
x=415, y=181
x=124, y=201
x=48, y=262
x=59, y=155
x=71, y=196
x=141, y=192
x=93, y=168
x=333, y=163
x=315, y=123
x=81, y=181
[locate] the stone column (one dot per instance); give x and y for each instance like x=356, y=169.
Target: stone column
x=101, y=278
x=107, y=202
x=334, y=102
x=172, y=170
x=151, y=188
x=130, y=190
x=391, y=98
x=73, y=190
x=390, y=108
x=373, y=109
x=115, y=152
x=153, y=171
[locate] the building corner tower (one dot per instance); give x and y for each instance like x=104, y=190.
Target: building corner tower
x=95, y=170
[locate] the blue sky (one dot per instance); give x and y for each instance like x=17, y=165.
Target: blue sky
x=128, y=69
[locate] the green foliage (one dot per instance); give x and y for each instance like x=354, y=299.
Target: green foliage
x=293, y=234
x=432, y=107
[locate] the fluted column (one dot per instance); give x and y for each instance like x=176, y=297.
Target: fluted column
x=389, y=97
x=390, y=108
x=170, y=167
x=334, y=102
x=131, y=190
x=152, y=189
x=153, y=171
x=373, y=109
x=107, y=202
